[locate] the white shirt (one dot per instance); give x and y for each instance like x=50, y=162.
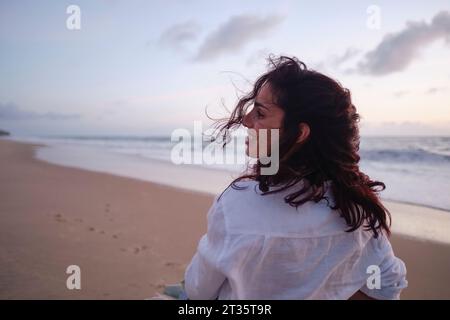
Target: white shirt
x=259, y=247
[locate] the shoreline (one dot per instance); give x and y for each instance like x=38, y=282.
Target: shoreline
x=130, y=237
x=415, y=220
x=425, y=206
x=52, y=152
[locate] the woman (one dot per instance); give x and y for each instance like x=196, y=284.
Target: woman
x=315, y=229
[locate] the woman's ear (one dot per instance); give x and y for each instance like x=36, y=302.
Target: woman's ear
x=304, y=132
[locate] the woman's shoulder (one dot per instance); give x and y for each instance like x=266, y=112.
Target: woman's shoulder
x=247, y=209
x=247, y=189
x=238, y=189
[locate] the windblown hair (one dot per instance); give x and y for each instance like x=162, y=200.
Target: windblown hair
x=329, y=153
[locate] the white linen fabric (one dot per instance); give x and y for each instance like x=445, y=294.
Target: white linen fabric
x=259, y=247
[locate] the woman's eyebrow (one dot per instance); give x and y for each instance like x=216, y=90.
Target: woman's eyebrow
x=259, y=104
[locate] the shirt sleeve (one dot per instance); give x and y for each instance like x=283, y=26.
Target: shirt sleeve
x=392, y=272
x=203, y=278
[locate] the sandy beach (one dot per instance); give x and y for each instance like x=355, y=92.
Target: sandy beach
x=131, y=237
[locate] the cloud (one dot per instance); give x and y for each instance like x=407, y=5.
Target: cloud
x=336, y=62
x=9, y=111
x=398, y=50
x=234, y=34
x=346, y=56
x=177, y=35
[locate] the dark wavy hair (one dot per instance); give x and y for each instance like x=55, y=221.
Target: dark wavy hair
x=329, y=153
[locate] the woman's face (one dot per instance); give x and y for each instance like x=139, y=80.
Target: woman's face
x=265, y=114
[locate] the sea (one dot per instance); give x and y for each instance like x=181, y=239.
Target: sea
x=415, y=170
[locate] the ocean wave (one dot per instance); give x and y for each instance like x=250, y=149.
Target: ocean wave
x=415, y=155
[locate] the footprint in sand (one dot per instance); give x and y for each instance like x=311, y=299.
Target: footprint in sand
x=59, y=218
x=171, y=264
x=135, y=250
x=92, y=229
x=141, y=248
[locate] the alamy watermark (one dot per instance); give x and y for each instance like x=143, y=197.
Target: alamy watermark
x=73, y=281
x=73, y=21
x=262, y=144
x=374, y=280
x=373, y=21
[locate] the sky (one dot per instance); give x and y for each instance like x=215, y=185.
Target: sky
x=149, y=67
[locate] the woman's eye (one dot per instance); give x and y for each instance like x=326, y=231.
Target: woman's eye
x=259, y=114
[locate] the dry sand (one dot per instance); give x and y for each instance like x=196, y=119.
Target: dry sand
x=129, y=237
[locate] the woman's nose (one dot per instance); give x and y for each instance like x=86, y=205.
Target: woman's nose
x=246, y=121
